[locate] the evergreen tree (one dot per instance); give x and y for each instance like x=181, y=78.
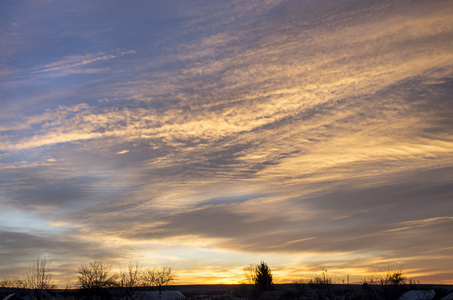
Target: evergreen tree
x=263, y=279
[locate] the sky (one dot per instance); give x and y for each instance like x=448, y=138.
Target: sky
x=209, y=135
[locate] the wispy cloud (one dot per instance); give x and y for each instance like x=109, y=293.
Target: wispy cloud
x=76, y=64
x=77, y=61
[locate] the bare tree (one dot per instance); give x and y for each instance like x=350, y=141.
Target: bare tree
x=7, y=283
x=159, y=277
x=321, y=285
x=94, y=277
x=13, y=283
x=390, y=276
x=250, y=274
x=130, y=281
x=390, y=280
x=39, y=277
x=323, y=279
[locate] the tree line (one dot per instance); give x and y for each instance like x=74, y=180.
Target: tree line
x=94, y=279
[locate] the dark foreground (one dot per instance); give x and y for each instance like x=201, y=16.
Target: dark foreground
x=226, y=292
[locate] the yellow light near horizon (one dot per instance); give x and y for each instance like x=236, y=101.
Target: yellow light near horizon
x=209, y=277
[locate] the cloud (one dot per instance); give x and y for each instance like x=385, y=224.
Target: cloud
x=227, y=200
x=76, y=64
x=43, y=189
x=338, y=219
x=76, y=61
x=122, y=152
x=64, y=253
x=419, y=224
x=231, y=113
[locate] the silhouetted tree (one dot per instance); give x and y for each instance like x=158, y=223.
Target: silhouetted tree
x=391, y=281
x=39, y=277
x=391, y=284
x=263, y=278
x=321, y=285
x=93, y=278
x=159, y=277
x=395, y=278
x=250, y=274
x=323, y=279
x=13, y=283
x=130, y=281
